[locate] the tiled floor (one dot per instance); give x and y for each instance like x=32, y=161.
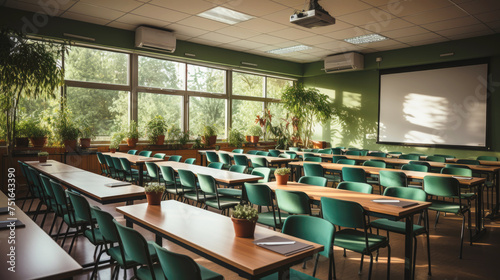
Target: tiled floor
x=480, y=261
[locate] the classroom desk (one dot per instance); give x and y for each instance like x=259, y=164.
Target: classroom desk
x=137, y=160
x=211, y=235
x=372, y=208
x=36, y=254
x=271, y=160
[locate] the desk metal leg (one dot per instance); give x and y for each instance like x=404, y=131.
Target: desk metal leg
x=409, y=248
x=158, y=240
x=494, y=209
x=141, y=174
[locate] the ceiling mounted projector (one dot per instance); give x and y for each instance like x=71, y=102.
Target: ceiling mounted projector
x=315, y=16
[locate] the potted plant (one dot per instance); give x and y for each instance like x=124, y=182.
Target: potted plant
x=184, y=138
x=244, y=218
x=36, y=132
x=87, y=132
x=282, y=175
x=235, y=138
x=67, y=130
x=132, y=134
x=21, y=134
x=154, y=192
x=209, y=136
x=254, y=132
x=114, y=143
x=43, y=156
x=156, y=128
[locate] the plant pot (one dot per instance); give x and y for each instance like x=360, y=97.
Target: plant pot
x=210, y=141
x=154, y=198
x=85, y=143
x=248, y=138
x=243, y=227
x=319, y=144
x=160, y=139
x=22, y=142
x=38, y=142
x=254, y=139
x=281, y=179
x=70, y=145
x=112, y=150
x=3, y=143
x=42, y=159
x=131, y=142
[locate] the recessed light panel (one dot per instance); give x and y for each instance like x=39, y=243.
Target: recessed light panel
x=370, y=38
x=225, y=15
x=290, y=49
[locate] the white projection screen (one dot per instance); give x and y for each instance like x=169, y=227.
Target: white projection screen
x=444, y=106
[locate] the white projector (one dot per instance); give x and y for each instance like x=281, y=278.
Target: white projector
x=312, y=18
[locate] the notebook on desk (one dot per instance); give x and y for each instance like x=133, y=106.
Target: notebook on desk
x=395, y=202
x=117, y=184
x=286, y=249
x=462, y=178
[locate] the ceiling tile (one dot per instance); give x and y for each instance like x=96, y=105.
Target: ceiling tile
x=407, y=31
x=261, y=25
x=267, y=39
x=420, y=37
x=247, y=44
x=85, y=18
x=237, y=32
x=120, y=5
x=55, y=9
x=122, y=25
x=436, y=15
x=205, y=42
x=221, y=38
x=189, y=7
x=471, y=34
x=139, y=20
x=254, y=7
x=186, y=31
x=291, y=3
x=480, y=6
x=405, y=8
x=489, y=16
x=347, y=33
x=95, y=11
x=313, y=40
x=203, y=23
x=464, y=30
x=290, y=33
x=282, y=16
x=341, y=7
x=427, y=42
x=334, y=45
x=395, y=23
x=159, y=13
x=451, y=23
x=339, y=25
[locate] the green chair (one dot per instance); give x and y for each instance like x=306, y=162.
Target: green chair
x=51, y=206
x=262, y=196
x=111, y=166
x=374, y=178
x=211, y=156
x=312, y=158
x=190, y=161
x=353, y=153
x=336, y=151
x=314, y=169
x=410, y=157
x=293, y=202
x=415, y=167
x=468, y=161
x=145, y=153
x=353, y=174
x=61, y=208
x=336, y=158
x=347, y=161
x=211, y=195
x=487, y=158
x=395, y=153
x=393, y=179
x=41, y=194
x=130, y=174
x=264, y=172
x=292, y=154
x=119, y=171
x=153, y=172
x=242, y=160
x=445, y=156
x=435, y=158
x=325, y=151
x=258, y=162
x=136, y=248
x=262, y=153
x=314, y=180
x=378, y=154
x=216, y=165
x=190, y=187
x=110, y=234
x=252, y=152
x=175, y=158
x=294, y=149
x=102, y=164
x=238, y=168
x=448, y=187
x=355, y=187
x=132, y=152
x=400, y=227
x=308, y=150
x=418, y=154
x=274, y=153
x=32, y=192
x=160, y=155
x=225, y=159
x=424, y=163
x=349, y=216
x=238, y=151
x=461, y=171
x=172, y=184
x=178, y=266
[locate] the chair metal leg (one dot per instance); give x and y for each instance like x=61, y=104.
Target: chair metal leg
x=388, y=261
x=371, y=265
x=462, y=236
x=414, y=255
x=65, y=236
x=361, y=263
x=437, y=219
x=316, y=265
x=73, y=240
x=428, y=254
x=53, y=223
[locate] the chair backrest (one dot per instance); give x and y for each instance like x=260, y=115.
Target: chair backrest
x=81, y=207
x=410, y=157
x=168, y=174
x=422, y=163
x=188, y=179
x=258, y=162
x=212, y=156
x=216, y=165
x=325, y=151
x=353, y=153
x=408, y=193
x=134, y=244
x=295, y=149
x=152, y=169
x=336, y=158
x=225, y=158
x=445, y=156
x=415, y=167
x=109, y=161
x=395, y=153
x=125, y=164
x=101, y=158
x=355, y=187
x=312, y=229
x=417, y=154
x=336, y=151
x=240, y=160
x=294, y=202
x=159, y=155
x=377, y=154
x=488, y=158
x=145, y=153
x=132, y=152
x=393, y=178
x=468, y=161
x=238, y=168
x=308, y=150
x=353, y=174
x=177, y=266
x=190, y=161
x=313, y=169
x=175, y=158
x=46, y=185
x=106, y=225
x=441, y=186
x=252, y=152
x=435, y=158
x=274, y=153
x=375, y=163
x=259, y=194
x=238, y=151
x=346, y=161
x=207, y=184
x=457, y=171
x=314, y=180
x=363, y=152
x=312, y=158
x=343, y=213
x=262, y=153
x=263, y=172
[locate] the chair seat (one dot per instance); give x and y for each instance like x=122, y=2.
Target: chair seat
x=224, y=202
x=266, y=218
x=445, y=206
x=294, y=274
x=192, y=196
x=144, y=273
x=115, y=254
x=396, y=226
x=207, y=274
x=468, y=196
x=73, y=222
x=230, y=192
x=99, y=239
x=354, y=240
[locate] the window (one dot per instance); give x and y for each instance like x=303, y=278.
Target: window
x=207, y=111
x=244, y=113
x=166, y=105
x=204, y=79
x=278, y=113
x=161, y=73
x=248, y=85
x=275, y=87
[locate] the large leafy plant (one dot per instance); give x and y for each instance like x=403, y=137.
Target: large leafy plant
x=156, y=126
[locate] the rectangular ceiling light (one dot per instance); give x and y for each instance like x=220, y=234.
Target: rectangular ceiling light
x=225, y=15
x=370, y=38
x=290, y=49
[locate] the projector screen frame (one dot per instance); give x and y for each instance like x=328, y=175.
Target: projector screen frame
x=434, y=66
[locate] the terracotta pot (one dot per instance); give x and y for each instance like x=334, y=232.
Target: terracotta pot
x=248, y=138
x=112, y=150
x=160, y=139
x=210, y=141
x=85, y=142
x=38, y=142
x=42, y=159
x=70, y=145
x=131, y=142
x=154, y=198
x=243, y=227
x=254, y=139
x=281, y=179
x=22, y=142
x=319, y=144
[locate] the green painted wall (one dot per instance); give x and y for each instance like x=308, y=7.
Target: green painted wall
x=358, y=90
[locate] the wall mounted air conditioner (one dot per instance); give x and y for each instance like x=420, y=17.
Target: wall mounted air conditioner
x=155, y=39
x=344, y=62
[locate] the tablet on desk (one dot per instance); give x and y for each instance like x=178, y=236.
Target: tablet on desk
x=117, y=184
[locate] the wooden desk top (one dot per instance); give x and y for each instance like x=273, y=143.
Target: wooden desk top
x=224, y=176
x=93, y=185
x=268, y=158
x=135, y=158
x=410, y=174
x=316, y=193
x=213, y=234
x=36, y=255
x=53, y=166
